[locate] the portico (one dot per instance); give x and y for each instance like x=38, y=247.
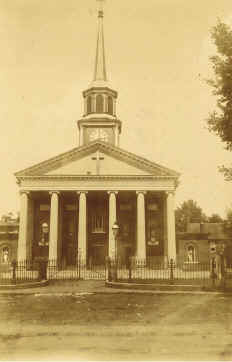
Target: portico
x=80, y=224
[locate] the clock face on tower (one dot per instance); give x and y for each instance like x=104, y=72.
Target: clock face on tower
x=98, y=133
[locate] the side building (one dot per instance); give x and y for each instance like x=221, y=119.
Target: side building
x=200, y=240
x=9, y=232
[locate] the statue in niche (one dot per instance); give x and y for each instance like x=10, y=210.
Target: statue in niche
x=153, y=241
x=190, y=254
x=44, y=241
x=5, y=255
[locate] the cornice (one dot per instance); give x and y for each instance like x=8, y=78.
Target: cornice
x=95, y=177
x=98, y=90
x=103, y=121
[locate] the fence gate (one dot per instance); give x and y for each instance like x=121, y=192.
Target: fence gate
x=80, y=270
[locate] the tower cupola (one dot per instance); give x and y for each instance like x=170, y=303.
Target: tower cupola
x=99, y=120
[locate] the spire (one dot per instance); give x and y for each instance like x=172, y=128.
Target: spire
x=100, y=63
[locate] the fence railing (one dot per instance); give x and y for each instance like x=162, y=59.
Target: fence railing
x=133, y=270
x=19, y=271
x=169, y=272
x=27, y=270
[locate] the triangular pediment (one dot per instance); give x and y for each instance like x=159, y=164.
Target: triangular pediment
x=97, y=158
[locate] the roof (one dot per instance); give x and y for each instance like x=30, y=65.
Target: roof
x=206, y=231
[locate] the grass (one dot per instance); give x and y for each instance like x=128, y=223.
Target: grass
x=116, y=326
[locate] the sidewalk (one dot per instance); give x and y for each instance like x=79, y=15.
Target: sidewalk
x=68, y=288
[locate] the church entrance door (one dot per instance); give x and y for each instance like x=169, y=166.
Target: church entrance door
x=97, y=230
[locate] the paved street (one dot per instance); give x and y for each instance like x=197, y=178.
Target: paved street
x=116, y=326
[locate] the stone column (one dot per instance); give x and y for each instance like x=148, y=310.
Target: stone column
x=94, y=103
x=54, y=225
x=114, y=106
x=23, y=226
x=165, y=230
x=112, y=220
x=141, y=227
x=105, y=105
x=30, y=227
x=85, y=105
x=81, y=139
x=82, y=226
x=116, y=136
x=171, y=234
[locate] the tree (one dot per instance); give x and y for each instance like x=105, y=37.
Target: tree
x=215, y=218
x=228, y=223
x=10, y=216
x=220, y=120
x=187, y=212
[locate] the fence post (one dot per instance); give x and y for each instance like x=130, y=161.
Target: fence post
x=223, y=272
x=14, y=265
x=116, y=270
x=78, y=259
x=42, y=269
x=213, y=271
x=171, y=271
x=113, y=269
x=130, y=269
x=108, y=268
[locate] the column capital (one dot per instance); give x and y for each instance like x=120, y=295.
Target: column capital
x=141, y=192
x=167, y=193
x=112, y=192
x=21, y=192
x=54, y=192
x=81, y=192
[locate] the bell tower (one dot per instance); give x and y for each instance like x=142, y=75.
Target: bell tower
x=99, y=120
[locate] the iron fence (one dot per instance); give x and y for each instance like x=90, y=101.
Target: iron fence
x=58, y=270
x=133, y=270
x=19, y=272
x=149, y=271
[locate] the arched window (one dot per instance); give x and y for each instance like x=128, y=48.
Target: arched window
x=99, y=103
x=110, y=105
x=89, y=105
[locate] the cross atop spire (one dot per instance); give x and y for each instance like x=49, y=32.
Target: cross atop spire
x=100, y=5
x=100, y=63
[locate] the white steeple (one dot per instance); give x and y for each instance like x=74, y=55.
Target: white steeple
x=100, y=62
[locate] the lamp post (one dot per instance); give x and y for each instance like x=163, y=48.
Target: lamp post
x=115, y=229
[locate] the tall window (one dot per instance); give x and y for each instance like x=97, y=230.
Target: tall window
x=98, y=223
x=110, y=105
x=99, y=103
x=89, y=105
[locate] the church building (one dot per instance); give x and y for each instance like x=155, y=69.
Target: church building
x=70, y=203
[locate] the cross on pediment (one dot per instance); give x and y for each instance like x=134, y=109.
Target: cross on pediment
x=98, y=158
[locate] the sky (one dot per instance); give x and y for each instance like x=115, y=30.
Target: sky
x=157, y=55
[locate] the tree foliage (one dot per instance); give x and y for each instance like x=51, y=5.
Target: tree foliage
x=220, y=120
x=187, y=212
x=215, y=218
